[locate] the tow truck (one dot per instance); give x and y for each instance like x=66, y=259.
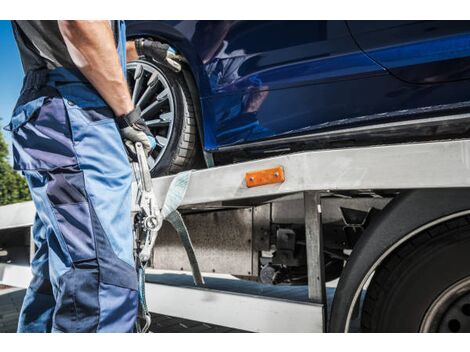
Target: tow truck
x=349, y=239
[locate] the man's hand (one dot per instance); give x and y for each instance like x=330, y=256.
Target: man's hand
x=133, y=129
x=159, y=52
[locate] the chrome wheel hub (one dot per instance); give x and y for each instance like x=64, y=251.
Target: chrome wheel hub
x=450, y=311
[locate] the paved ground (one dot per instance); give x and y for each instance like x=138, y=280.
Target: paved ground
x=10, y=303
x=11, y=299
x=162, y=323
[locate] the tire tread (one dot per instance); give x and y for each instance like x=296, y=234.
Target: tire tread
x=385, y=276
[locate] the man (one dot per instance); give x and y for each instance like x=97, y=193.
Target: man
x=66, y=128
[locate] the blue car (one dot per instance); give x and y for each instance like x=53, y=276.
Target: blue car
x=252, y=89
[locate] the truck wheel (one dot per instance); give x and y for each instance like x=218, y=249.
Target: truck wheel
x=424, y=286
x=166, y=105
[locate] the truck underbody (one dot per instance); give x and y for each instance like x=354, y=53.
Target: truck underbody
x=272, y=254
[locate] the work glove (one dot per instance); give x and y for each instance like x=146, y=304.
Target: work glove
x=133, y=129
x=160, y=52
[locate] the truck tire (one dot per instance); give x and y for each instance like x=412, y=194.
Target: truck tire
x=177, y=132
x=424, y=285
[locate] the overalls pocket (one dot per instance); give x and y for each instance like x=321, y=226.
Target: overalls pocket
x=85, y=108
x=41, y=135
x=23, y=113
x=81, y=119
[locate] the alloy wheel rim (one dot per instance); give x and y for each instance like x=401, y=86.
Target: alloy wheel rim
x=150, y=91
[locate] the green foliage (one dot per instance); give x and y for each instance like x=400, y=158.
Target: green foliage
x=13, y=186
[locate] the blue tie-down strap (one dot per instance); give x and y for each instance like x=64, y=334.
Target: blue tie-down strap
x=144, y=311
x=152, y=141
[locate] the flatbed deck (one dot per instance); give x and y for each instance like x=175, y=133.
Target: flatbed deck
x=249, y=306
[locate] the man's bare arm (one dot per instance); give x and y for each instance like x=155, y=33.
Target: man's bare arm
x=92, y=48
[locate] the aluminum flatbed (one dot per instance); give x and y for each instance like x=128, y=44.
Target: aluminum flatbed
x=424, y=165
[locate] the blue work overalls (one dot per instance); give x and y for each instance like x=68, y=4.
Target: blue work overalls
x=67, y=144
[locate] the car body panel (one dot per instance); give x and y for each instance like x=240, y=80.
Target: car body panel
x=268, y=80
x=417, y=51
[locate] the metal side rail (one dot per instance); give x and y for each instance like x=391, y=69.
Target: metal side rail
x=227, y=302
x=234, y=303
x=437, y=164
x=441, y=164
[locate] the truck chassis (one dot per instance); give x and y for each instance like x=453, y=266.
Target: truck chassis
x=385, y=196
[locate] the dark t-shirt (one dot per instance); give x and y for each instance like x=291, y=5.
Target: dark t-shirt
x=41, y=45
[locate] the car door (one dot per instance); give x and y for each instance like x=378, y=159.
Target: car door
x=236, y=51
x=266, y=81
x=270, y=79
x=417, y=51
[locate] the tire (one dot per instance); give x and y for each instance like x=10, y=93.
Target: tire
x=413, y=279
x=180, y=135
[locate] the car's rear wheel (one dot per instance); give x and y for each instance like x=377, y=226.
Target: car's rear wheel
x=424, y=286
x=168, y=110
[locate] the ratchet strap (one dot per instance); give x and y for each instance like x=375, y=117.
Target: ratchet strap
x=169, y=212
x=150, y=221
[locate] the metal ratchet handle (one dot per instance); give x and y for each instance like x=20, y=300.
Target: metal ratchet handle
x=152, y=221
x=150, y=215
x=146, y=251
x=145, y=177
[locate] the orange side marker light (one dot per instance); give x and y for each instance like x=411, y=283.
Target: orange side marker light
x=265, y=177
